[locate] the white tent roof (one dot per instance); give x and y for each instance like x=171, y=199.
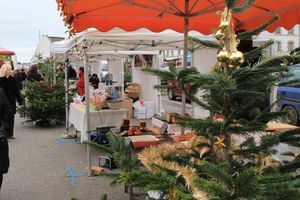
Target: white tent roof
x=117, y=41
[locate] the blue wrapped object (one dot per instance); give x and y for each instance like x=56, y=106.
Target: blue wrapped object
x=115, y=96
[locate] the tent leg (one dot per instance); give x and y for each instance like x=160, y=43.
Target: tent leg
x=67, y=93
x=87, y=112
x=185, y=54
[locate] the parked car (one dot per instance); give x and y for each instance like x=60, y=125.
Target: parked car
x=289, y=96
x=177, y=92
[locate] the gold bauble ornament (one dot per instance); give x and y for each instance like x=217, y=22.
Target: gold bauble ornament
x=219, y=35
x=224, y=25
x=223, y=56
x=236, y=58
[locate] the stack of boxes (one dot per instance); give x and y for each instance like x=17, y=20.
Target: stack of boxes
x=145, y=111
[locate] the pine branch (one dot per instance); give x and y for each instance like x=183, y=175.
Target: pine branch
x=231, y=3
x=164, y=87
x=243, y=7
x=183, y=75
x=160, y=73
x=257, y=52
x=246, y=184
x=277, y=61
x=217, y=174
x=214, y=189
x=291, y=137
x=290, y=166
x=249, y=34
x=205, y=43
x=100, y=148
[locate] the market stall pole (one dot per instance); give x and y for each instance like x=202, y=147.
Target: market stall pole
x=67, y=93
x=87, y=109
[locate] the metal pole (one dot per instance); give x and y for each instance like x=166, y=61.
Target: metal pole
x=54, y=69
x=67, y=92
x=122, y=79
x=185, y=54
x=87, y=111
x=158, y=83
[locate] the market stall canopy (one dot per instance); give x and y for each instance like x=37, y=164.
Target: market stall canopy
x=6, y=52
x=118, y=41
x=159, y=15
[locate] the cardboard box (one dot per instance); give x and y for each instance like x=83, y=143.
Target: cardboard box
x=127, y=104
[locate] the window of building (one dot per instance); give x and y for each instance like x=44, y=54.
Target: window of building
x=290, y=45
x=279, y=46
x=278, y=30
x=291, y=31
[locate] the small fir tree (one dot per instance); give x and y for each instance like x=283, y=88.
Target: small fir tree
x=44, y=100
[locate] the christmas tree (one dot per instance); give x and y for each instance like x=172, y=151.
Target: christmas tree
x=44, y=100
x=231, y=155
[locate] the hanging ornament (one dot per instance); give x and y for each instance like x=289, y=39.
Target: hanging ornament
x=224, y=25
x=223, y=56
x=236, y=58
x=219, y=35
x=220, y=142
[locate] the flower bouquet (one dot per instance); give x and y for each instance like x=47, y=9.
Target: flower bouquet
x=98, y=98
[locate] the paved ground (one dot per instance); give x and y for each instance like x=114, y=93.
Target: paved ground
x=38, y=168
x=173, y=106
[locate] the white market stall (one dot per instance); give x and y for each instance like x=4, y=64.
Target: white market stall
x=100, y=45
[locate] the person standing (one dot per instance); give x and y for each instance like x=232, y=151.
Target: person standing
x=94, y=80
x=33, y=74
x=4, y=156
x=80, y=82
x=20, y=77
x=71, y=73
x=9, y=85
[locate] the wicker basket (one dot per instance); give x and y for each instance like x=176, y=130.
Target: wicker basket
x=114, y=104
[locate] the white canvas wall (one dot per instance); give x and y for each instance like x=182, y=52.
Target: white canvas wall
x=95, y=67
x=115, y=67
x=147, y=82
x=203, y=59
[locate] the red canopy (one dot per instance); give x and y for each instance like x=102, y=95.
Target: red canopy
x=6, y=52
x=158, y=15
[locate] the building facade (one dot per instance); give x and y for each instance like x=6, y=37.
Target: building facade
x=284, y=40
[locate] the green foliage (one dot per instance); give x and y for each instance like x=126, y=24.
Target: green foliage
x=243, y=7
x=44, y=100
x=205, y=43
x=248, y=34
x=103, y=197
x=231, y=3
x=127, y=75
x=118, y=148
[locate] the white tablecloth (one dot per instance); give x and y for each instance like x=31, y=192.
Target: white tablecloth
x=101, y=118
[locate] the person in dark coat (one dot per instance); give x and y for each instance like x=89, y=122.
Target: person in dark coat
x=9, y=85
x=20, y=77
x=71, y=73
x=94, y=80
x=33, y=74
x=4, y=156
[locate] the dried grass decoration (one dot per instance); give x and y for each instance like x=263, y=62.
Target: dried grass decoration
x=154, y=155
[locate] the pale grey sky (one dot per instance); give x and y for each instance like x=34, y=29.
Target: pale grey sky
x=21, y=21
